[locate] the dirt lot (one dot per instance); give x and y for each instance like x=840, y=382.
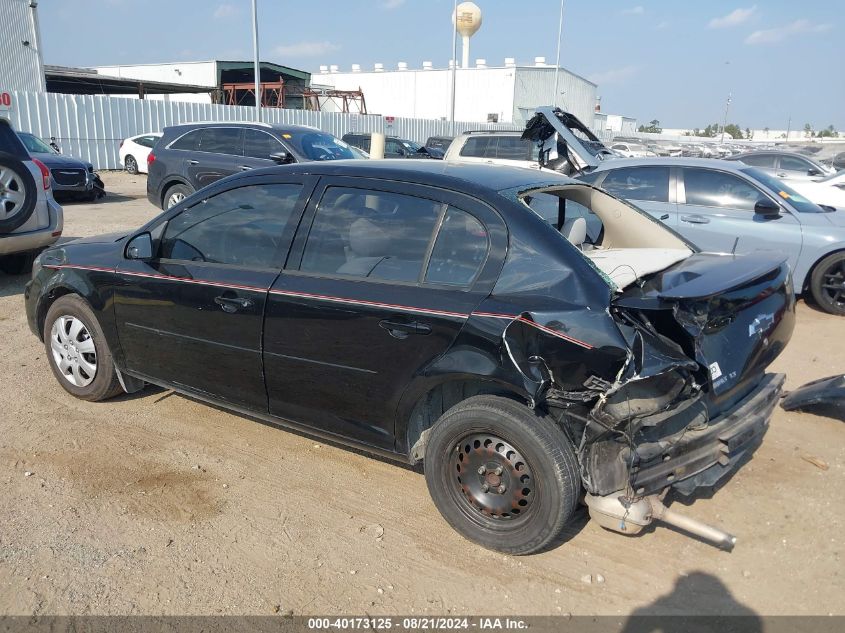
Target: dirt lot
x=157, y=504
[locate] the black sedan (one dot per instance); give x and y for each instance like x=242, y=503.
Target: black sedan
x=69, y=175
x=526, y=335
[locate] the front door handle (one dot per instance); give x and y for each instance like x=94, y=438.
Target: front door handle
x=401, y=329
x=244, y=167
x=233, y=304
x=665, y=216
x=695, y=219
x=193, y=162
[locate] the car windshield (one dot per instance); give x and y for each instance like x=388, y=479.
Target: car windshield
x=414, y=147
x=35, y=145
x=318, y=145
x=779, y=188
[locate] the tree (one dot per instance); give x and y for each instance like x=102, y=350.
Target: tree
x=766, y=130
x=808, y=130
x=652, y=128
x=828, y=132
x=748, y=133
x=733, y=130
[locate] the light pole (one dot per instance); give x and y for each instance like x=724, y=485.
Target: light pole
x=725, y=122
x=255, y=58
x=454, y=67
x=557, y=62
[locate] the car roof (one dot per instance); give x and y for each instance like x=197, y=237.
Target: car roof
x=492, y=132
x=267, y=126
x=669, y=161
x=771, y=152
x=460, y=176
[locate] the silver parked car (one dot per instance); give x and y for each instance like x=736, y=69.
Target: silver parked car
x=785, y=165
x=731, y=207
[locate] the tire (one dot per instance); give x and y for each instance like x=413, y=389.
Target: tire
x=18, y=193
x=130, y=164
x=538, y=474
x=827, y=284
x=61, y=338
x=175, y=195
x=18, y=264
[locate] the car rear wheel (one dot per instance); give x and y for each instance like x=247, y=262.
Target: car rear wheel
x=18, y=193
x=502, y=475
x=176, y=194
x=827, y=284
x=77, y=350
x=131, y=164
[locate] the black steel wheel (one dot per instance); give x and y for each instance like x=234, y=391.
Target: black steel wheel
x=502, y=475
x=827, y=283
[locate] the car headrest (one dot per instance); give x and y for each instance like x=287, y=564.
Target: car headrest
x=575, y=230
x=367, y=239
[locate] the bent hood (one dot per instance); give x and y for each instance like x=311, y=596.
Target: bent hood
x=57, y=161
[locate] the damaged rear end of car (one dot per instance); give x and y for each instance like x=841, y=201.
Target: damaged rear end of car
x=661, y=384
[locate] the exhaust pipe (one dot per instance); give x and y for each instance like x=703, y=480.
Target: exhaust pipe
x=612, y=514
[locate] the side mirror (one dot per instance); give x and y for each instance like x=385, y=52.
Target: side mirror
x=140, y=247
x=283, y=158
x=767, y=208
x=813, y=172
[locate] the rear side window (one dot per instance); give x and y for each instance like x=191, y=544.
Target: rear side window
x=477, y=147
x=501, y=147
x=513, y=148
x=639, y=183
x=221, y=140
x=460, y=250
x=189, y=141
x=258, y=144
x=372, y=234
x=767, y=161
x=240, y=227
x=709, y=188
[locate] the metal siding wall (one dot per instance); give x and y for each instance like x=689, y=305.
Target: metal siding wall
x=91, y=127
x=534, y=87
x=18, y=63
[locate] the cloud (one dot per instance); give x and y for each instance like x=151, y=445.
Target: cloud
x=662, y=25
x=225, y=11
x=614, y=75
x=392, y=4
x=780, y=33
x=305, y=49
x=734, y=18
x=637, y=10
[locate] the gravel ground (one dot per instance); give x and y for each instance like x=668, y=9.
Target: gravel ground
x=158, y=504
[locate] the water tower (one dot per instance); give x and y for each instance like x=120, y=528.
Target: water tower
x=467, y=20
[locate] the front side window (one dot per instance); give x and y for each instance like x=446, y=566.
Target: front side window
x=460, y=250
x=372, y=234
x=240, y=227
x=639, y=183
x=221, y=140
x=258, y=144
x=709, y=188
x=790, y=163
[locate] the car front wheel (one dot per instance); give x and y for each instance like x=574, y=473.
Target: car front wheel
x=502, y=475
x=827, y=284
x=77, y=350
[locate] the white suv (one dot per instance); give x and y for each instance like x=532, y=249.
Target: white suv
x=495, y=148
x=30, y=219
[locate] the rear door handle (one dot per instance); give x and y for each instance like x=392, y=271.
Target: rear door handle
x=233, y=304
x=244, y=167
x=695, y=219
x=400, y=329
x=665, y=216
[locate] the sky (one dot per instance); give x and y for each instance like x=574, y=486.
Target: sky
x=671, y=60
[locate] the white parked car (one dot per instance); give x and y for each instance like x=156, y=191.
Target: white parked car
x=632, y=150
x=829, y=191
x=134, y=150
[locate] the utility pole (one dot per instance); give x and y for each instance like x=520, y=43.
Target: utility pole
x=557, y=62
x=257, y=68
x=454, y=66
x=727, y=105
x=788, y=126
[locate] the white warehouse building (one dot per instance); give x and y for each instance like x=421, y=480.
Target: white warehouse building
x=21, y=63
x=503, y=94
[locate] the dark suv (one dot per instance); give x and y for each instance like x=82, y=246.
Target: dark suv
x=189, y=157
x=394, y=147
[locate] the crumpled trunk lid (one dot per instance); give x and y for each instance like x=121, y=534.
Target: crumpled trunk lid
x=732, y=314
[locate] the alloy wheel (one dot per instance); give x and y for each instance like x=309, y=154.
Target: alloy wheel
x=73, y=351
x=131, y=165
x=175, y=198
x=12, y=193
x=492, y=477
x=833, y=284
